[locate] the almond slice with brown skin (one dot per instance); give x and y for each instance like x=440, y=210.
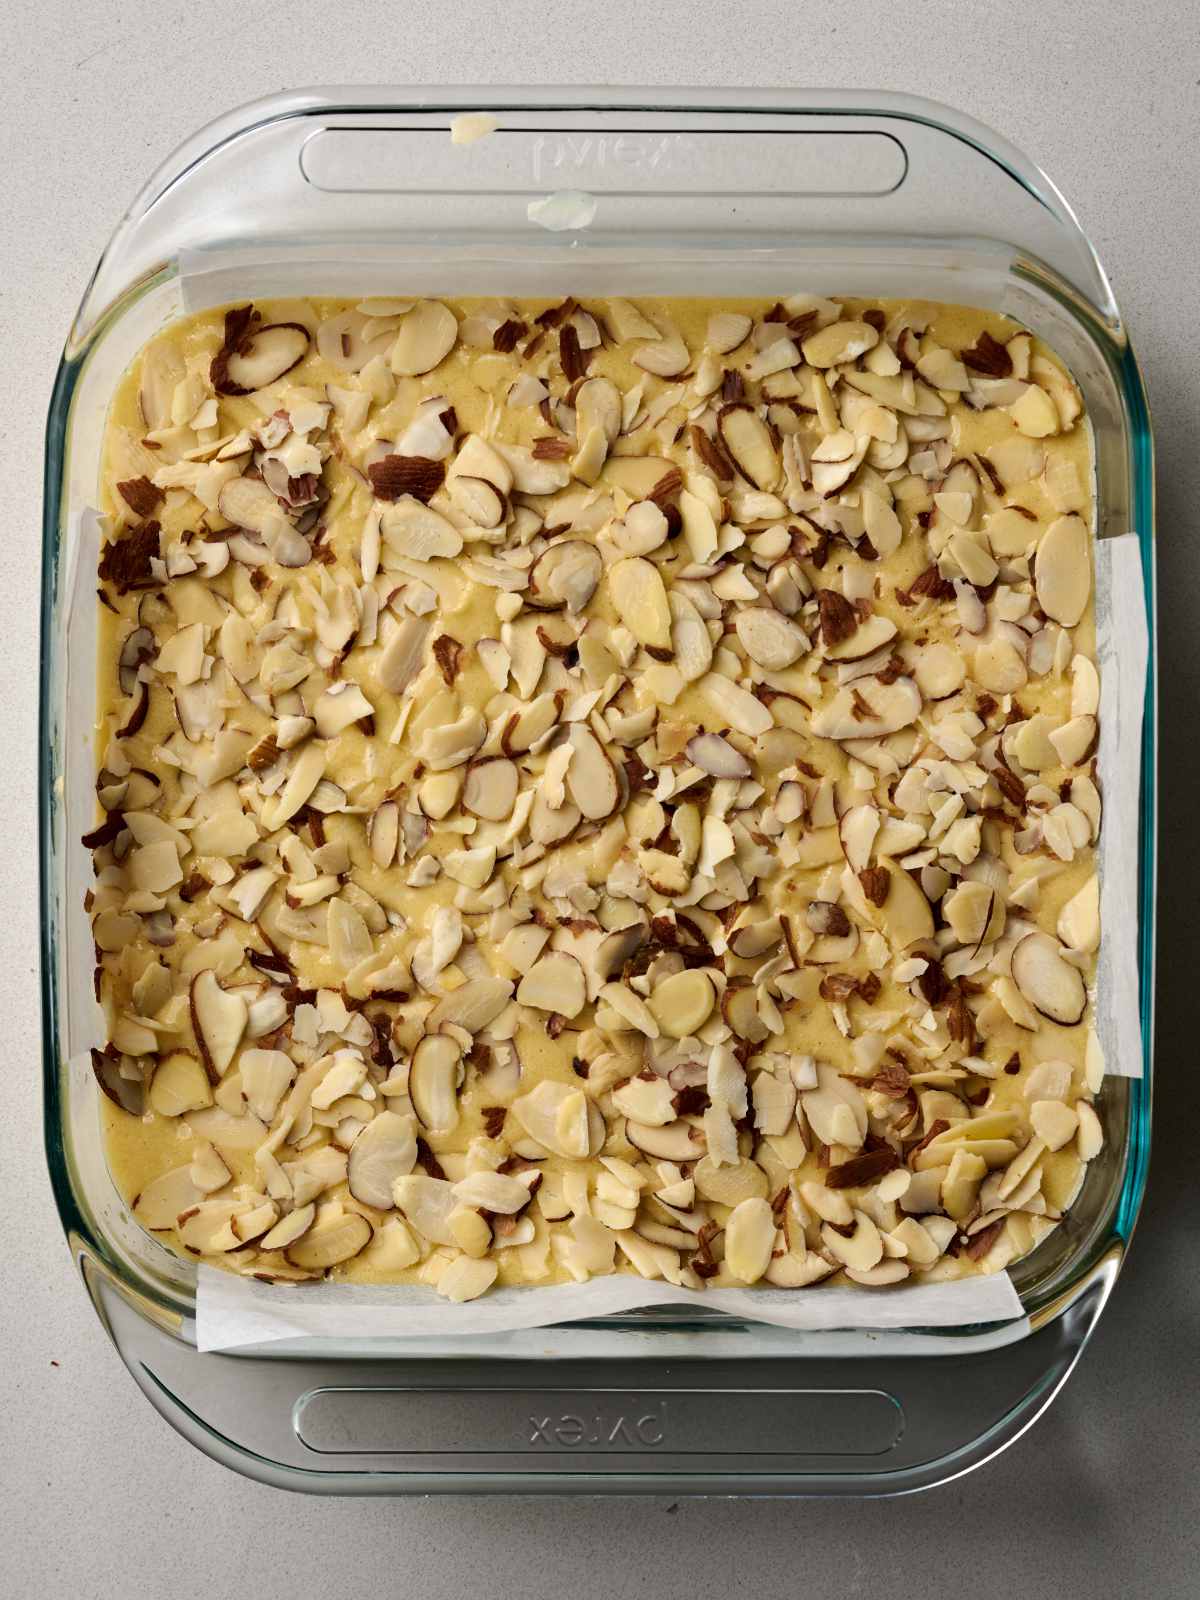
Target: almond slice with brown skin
x=968, y=911
x=666, y=358
x=640, y=599
x=248, y=503
x=869, y=709
x=857, y=829
x=735, y=705
x=166, y=1198
x=905, y=915
x=490, y=788
x=748, y=440
x=427, y=336
x=478, y=500
x=566, y=574
x=218, y=1021
x=862, y=1249
x=268, y=354
x=642, y=529
x=868, y=637
x=473, y=1006
x=433, y=1082
x=549, y=825
x=677, y=1141
x=838, y=343
x=385, y=1150
x=717, y=757
x=727, y=330
x=554, y=983
x=335, y=1236
x=1047, y=980
x=591, y=777
x=289, y=1228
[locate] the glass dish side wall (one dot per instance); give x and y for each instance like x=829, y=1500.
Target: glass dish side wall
x=1086, y=338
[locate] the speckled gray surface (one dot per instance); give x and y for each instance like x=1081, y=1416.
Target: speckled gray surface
x=97, y=1496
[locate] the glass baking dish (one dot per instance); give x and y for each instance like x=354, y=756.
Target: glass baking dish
x=361, y=191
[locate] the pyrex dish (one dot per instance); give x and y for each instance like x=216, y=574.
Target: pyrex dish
x=361, y=191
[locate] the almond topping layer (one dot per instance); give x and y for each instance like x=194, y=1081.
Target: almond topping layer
x=598, y=787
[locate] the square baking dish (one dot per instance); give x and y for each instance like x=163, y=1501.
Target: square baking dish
x=361, y=191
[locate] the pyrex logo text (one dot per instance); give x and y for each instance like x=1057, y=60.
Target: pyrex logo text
x=572, y=1429
x=576, y=155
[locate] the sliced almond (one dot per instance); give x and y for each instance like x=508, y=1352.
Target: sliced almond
x=866, y=639
x=264, y=358
x=490, y=788
x=554, y=983
x=334, y=1237
x=1078, y=921
x=433, y=1082
x=591, y=776
x=869, y=709
x=465, y=1279
x=478, y=500
x=716, y=756
x=726, y=330
x=666, y=358
x=647, y=1100
x=769, y=638
x=180, y=1084
x=565, y=574
x=640, y=600
x=558, y=1117
x=1054, y=1123
x=838, y=343
x=1034, y=413
x=289, y=1228
x=677, y=1141
x=683, y=1003
x=1090, y=1138
x=427, y=335
x=413, y=529
x=1047, y=980
x=748, y=440
x=166, y=1198
x=735, y=705
x=749, y=1239
x=385, y=1150
x=1064, y=570
x=401, y=657
x=218, y=1022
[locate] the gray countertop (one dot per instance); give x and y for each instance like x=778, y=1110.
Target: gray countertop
x=97, y=1495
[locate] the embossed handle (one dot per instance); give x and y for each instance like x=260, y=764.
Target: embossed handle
x=355, y=175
